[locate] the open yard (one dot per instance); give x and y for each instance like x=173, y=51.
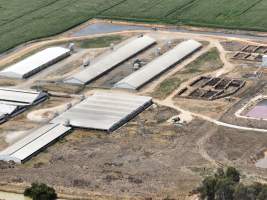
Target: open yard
x=25, y=20
x=208, y=62
x=165, y=151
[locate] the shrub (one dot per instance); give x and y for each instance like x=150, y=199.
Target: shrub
x=225, y=185
x=232, y=174
x=40, y=191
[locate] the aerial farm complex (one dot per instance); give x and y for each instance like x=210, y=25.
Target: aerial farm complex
x=132, y=112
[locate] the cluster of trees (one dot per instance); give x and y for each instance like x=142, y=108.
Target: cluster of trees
x=40, y=191
x=225, y=185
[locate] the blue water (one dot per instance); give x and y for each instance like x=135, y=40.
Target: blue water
x=102, y=27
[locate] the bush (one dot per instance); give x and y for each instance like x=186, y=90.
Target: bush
x=208, y=188
x=224, y=185
x=224, y=189
x=40, y=191
x=233, y=174
x=245, y=192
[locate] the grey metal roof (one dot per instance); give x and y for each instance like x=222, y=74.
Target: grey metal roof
x=35, y=62
x=111, y=60
x=7, y=109
x=159, y=65
x=104, y=111
x=31, y=144
x=27, y=97
x=14, y=101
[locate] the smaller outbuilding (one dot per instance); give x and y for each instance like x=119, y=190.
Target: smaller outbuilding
x=32, y=144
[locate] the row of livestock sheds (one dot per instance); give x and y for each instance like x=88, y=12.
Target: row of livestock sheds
x=32, y=144
x=14, y=101
x=111, y=60
x=104, y=111
x=101, y=111
x=159, y=65
x=35, y=63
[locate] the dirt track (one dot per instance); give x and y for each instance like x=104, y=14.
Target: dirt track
x=148, y=157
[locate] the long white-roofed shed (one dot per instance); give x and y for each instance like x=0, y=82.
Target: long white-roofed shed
x=7, y=110
x=35, y=63
x=32, y=144
x=111, y=60
x=26, y=97
x=104, y=111
x=139, y=78
x=14, y=101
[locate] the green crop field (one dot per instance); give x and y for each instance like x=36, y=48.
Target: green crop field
x=24, y=20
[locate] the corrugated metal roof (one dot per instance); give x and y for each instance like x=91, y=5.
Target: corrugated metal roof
x=111, y=60
x=13, y=101
x=7, y=109
x=35, y=62
x=159, y=65
x=104, y=111
x=31, y=144
x=27, y=97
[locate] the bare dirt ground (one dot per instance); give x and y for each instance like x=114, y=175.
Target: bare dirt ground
x=138, y=160
x=258, y=87
x=149, y=158
x=126, y=68
x=21, y=125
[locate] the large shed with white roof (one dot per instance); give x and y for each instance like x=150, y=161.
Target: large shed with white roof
x=111, y=60
x=139, y=78
x=32, y=144
x=104, y=111
x=35, y=63
x=14, y=101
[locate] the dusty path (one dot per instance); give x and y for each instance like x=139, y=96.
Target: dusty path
x=38, y=115
x=45, y=73
x=203, y=140
x=16, y=54
x=27, y=48
x=47, y=114
x=155, y=83
x=49, y=74
x=227, y=67
x=201, y=143
x=251, y=102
